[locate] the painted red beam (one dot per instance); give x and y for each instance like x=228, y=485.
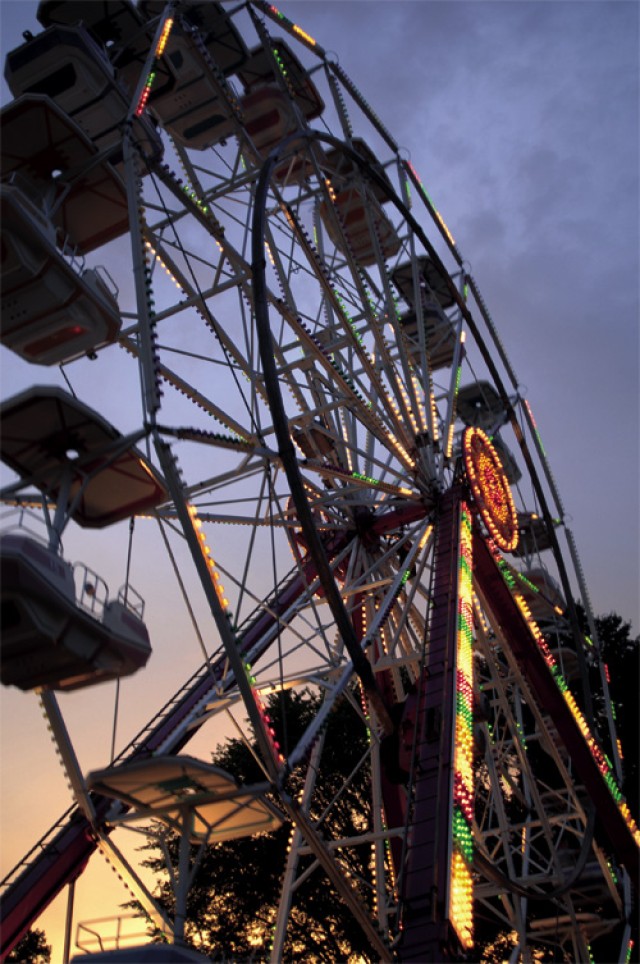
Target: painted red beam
x=499, y=600
x=394, y=519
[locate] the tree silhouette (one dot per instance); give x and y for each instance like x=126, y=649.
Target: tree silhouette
x=232, y=903
x=231, y=909
x=621, y=653
x=32, y=949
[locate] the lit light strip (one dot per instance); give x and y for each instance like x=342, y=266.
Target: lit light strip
x=164, y=36
x=461, y=883
x=196, y=522
x=490, y=488
x=329, y=186
x=431, y=204
x=162, y=42
x=194, y=197
x=535, y=427
x=454, y=405
x=166, y=270
x=602, y=761
x=269, y=252
x=408, y=405
x=274, y=746
x=296, y=29
x=434, y=412
x=305, y=36
x=280, y=62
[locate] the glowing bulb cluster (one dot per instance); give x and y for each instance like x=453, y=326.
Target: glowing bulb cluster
x=280, y=62
x=364, y=478
x=433, y=408
x=419, y=394
x=431, y=204
x=267, y=247
x=196, y=522
x=461, y=884
x=162, y=43
x=293, y=26
x=408, y=405
x=490, y=488
x=274, y=746
x=166, y=270
x=456, y=388
x=461, y=900
x=303, y=35
x=535, y=427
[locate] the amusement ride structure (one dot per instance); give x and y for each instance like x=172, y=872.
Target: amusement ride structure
x=318, y=375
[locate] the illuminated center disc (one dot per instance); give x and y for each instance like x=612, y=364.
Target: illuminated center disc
x=490, y=488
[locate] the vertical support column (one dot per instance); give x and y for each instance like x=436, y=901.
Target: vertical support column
x=460, y=910
x=436, y=879
x=66, y=954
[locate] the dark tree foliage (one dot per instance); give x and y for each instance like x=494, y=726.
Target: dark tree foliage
x=231, y=908
x=32, y=949
x=499, y=951
x=232, y=902
x=621, y=653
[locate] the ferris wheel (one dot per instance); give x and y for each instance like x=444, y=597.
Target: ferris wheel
x=321, y=422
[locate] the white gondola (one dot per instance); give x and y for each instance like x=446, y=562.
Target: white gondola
x=315, y=442
x=189, y=104
x=273, y=110
x=357, y=218
x=59, y=445
x=533, y=534
x=118, y=26
x=186, y=96
x=224, y=43
x=50, y=639
x=268, y=117
x=110, y=22
x=56, y=634
x=263, y=66
x=58, y=164
x=67, y=65
x=201, y=802
x=439, y=336
x=435, y=296
x=51, y=313
x=480, y=405
x=434, y=286
x=343, y=170
x=188, y=795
